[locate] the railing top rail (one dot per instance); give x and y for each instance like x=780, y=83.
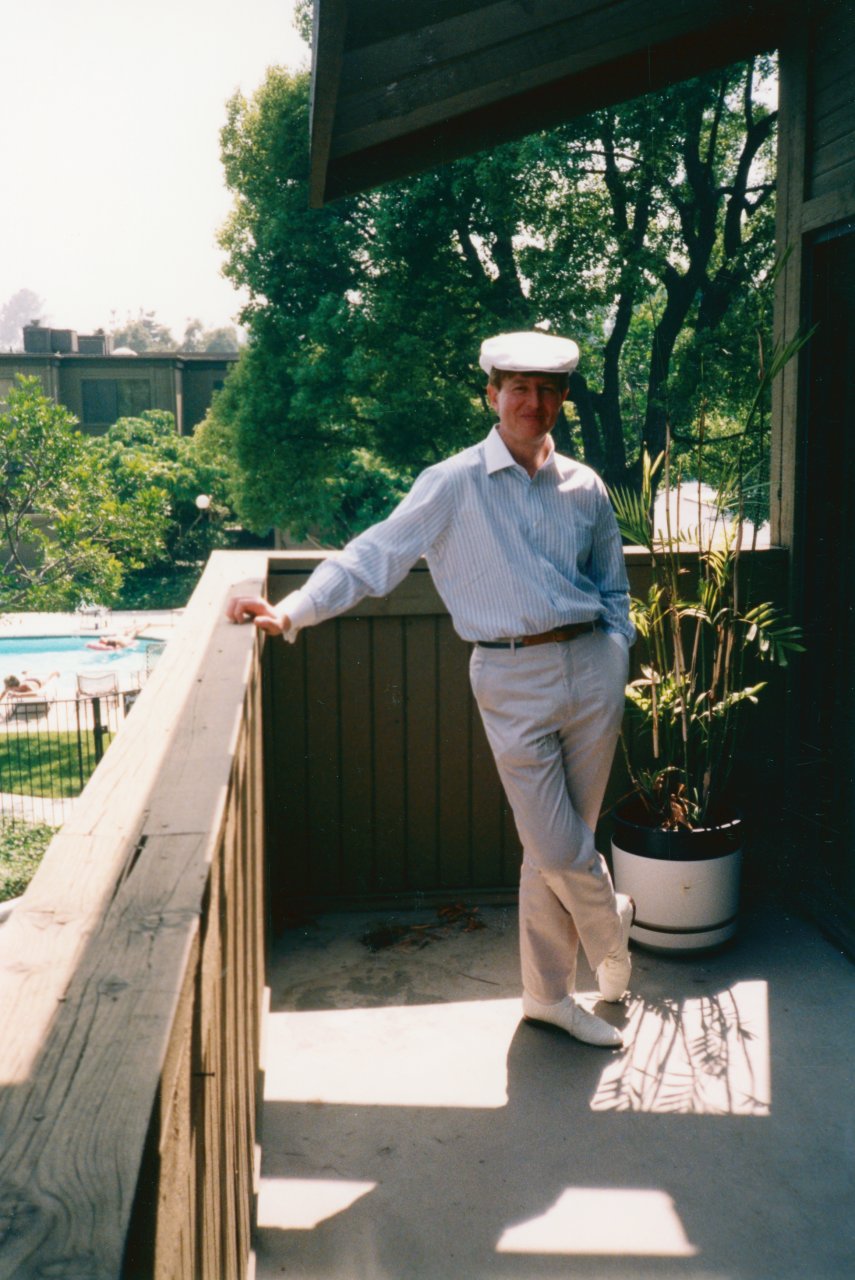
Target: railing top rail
x=91, y=959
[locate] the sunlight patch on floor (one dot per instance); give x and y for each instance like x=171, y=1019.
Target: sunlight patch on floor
x=438, y=1055
x=592, y=1220
x=300, y=1204
x=703, y=1056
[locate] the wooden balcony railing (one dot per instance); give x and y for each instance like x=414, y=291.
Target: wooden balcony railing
x=381, y=784
x=132, y=972
x=131, y=984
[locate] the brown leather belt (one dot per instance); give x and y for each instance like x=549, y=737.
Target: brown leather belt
x=555, y=636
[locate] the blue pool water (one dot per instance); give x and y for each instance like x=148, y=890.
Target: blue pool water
x=40, y=655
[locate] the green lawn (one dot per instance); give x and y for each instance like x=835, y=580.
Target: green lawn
x=21, y=850
x=56, y=765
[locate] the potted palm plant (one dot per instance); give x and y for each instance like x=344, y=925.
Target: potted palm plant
x=700, y=650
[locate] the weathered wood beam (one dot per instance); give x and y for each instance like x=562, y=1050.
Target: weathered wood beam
x=404, y=84
x=466, y=130
x=329, y=30
x=463, y=37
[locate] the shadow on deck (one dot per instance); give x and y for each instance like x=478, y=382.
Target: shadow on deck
x=414, y=1129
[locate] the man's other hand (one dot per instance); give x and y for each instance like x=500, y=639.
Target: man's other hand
x=254, y=609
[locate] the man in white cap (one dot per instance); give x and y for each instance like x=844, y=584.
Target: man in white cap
x=524, y=549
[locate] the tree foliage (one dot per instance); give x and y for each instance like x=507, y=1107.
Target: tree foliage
x=644, y=231
x=24, y=307
x=65, y=533
x=143, y=332
x=78, y=513
x=146, y=453
x=197, y=338
x=677, y=255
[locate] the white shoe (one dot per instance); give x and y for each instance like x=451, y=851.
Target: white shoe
x=613, y=973
x=576, y=1021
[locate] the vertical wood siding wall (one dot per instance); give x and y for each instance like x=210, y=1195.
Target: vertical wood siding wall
x=131, y=985
x=380, y=780
x=381, y=785
x=831, y=124
x=812, y=446
x=816, y=193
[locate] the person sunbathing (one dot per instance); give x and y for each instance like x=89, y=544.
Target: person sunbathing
x=18, y=687
x=121, y=640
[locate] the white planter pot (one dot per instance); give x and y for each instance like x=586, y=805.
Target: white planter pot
x=685, y=883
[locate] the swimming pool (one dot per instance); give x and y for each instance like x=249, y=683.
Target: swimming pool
x=40, y=655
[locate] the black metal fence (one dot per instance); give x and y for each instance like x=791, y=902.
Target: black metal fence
x=50, y=746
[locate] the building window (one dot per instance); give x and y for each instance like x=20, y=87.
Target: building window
x=106, y=399
x=100, y=401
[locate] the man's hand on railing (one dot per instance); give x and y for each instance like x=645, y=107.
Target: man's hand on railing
x=254, y=609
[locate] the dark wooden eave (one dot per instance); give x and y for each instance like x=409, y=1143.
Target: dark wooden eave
x=399, y=86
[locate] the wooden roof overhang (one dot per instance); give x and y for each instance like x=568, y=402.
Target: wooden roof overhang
x=400, y=86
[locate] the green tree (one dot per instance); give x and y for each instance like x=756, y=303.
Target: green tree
x=146, y=452
x=198, y=338
x=303, y=18
x=644, y=231
x=65, y=532
x=300, y=268
x=143, y=332
x=688, y=176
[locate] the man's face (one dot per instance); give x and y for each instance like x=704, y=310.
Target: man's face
x=527, y=404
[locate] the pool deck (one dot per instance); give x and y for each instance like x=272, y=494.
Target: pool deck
x=149, y=625
x=152, y=624
x=67, y=712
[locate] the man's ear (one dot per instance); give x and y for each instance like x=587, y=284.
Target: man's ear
x=493, y=395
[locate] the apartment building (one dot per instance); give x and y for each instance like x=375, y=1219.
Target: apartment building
x=99, y=384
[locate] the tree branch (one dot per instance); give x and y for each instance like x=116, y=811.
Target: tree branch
x=613, y=179
x=756, y=135
x=503, y=255
x=470, y=255
x=716, y=124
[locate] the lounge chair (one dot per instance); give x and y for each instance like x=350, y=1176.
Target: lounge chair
x=29, y=703
x=97, y=686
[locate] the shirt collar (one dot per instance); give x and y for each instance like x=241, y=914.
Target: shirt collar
x=498, y=456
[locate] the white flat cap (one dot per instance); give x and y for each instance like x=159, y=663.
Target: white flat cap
x=529, y=352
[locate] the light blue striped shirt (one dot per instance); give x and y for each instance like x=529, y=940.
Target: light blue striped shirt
x=510, y=554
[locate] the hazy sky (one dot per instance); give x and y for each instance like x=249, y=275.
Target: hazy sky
x=112, y=187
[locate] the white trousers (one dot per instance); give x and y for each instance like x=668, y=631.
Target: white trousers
x=552, y=715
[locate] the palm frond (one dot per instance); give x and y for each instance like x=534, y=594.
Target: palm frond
x=771, y=631
x=634, y=510
x=633, y=517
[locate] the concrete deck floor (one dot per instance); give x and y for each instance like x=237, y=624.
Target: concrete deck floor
x=415, y=1129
